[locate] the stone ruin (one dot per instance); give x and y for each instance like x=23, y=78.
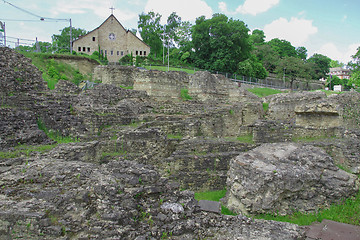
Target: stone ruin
x=286, y=178
x=136, y=150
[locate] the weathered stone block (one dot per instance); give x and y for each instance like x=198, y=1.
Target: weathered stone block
x=286, y=177
x=317, y=115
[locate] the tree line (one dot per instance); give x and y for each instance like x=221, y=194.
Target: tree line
x=226, y=45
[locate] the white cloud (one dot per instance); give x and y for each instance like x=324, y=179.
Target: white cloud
x=296, y=31
x=252, y=7
x=223, y=7
x=188, y=10
x=101, y=9
x=342, y=55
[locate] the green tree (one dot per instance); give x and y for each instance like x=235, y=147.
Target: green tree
x=354, y=65
x=44, y=47
x=283, y=48
x=252, y=68
x=336, y=63
x=354, y=80
x=61, y=42
x=184, y=42
x=171, y=28
x=293, y=68
x=220, y=43
x=184, y=36
x=268, y=56
x=257, y=37
x=151, y=31
x=321, y=65
x=333, y=80
x=301, y=52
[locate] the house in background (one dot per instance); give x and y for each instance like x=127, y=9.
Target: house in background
x=340, y=72
x=112, y=40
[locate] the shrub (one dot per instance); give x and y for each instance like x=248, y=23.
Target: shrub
x=185, y=94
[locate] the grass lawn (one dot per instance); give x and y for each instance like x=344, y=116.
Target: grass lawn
x=165, y=68
x=263, y=92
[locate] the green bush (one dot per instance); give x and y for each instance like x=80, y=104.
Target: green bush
x=185, y=94
x=127, y=59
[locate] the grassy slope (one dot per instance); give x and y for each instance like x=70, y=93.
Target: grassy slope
x=53, y=71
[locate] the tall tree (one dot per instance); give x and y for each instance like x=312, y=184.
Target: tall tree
x=321, y=65
x=301, y=52
x=268, y=56
x=172, y=28
x=220, y=43
x=283, y=47
x=251, y=67
x=354, y=65
x=336, y=63
x=61, y=42
x=151, y=31
x=293, y=68
x=257, y=37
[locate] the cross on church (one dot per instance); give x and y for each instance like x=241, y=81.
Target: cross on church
x=112, y=10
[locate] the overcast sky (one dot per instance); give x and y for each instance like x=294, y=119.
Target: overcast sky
x=328, y=27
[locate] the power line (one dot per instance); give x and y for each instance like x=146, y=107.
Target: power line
x=20, y=43
x=28, y=20
x=45, y=18
x=18, y=20
x=33, y=14
x=22, y=9
x=23, y=39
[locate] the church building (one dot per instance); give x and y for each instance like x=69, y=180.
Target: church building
x=112, y=40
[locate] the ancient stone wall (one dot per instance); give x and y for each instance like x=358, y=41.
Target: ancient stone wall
x=282, y=106
x=24, y=95
x=162, y=86
x=115, y=74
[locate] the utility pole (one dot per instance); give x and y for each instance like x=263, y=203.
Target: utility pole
x=4, y=34
x=164, y=46
x=284, y=77
x=37, y=46
x=71, y=48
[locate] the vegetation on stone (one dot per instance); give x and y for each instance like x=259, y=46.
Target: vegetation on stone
x=53, y=70
x=25, y=150
x=185, y=94
x=347, y=211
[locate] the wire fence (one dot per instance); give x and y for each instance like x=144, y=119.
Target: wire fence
x=240, y=79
